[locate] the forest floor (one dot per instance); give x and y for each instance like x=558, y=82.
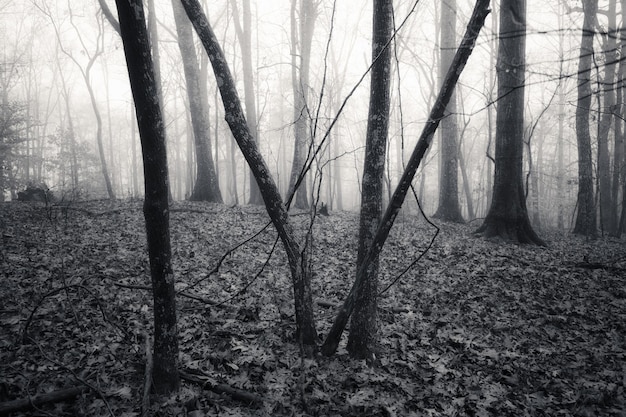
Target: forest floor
x=475, y=328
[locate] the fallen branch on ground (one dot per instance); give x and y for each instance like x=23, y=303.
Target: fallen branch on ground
x=31, y=402
x=200, y=378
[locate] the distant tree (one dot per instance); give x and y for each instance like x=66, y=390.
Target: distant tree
x=85, y=71
x=449, y=208
x=619, y=157
x=243, y=29
x=302, y=25
x=297, y=257
x=586, y=216
x=607, y=206
x=508, y=215
x=206, y=187
x=156, y=206
x=362, y=337
x=12, y=124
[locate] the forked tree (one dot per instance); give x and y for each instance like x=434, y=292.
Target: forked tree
x=296, y=255
x=362, y=337
x=476, y=22
x=508, y=216
x=156, y=205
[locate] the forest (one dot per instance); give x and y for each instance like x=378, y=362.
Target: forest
x=313, y=208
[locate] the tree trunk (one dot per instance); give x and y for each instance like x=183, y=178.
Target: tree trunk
x=449, y=208
x=620, y=131
x=297, y=258
x=244, y=34
x=481, y=10
x=206, y=187
x=156, y=206
x=300, y=81
x=586, y=216
x=362, y=337
x=605, y=120
x=508, y=215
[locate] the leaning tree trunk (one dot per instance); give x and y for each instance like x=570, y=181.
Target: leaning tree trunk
x=297, y=258
x=206, y=187
x=481, y=10
x=508, y=215
x=586, y=216
x=156, y=206
x=362, y=337
x=449, y=208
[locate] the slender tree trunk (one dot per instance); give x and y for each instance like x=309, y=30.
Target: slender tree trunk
x=508, y=215
x=206, y=187
x=449, y=208
x=297, y=257
x=605, y=120
x=586, y=216
x=362, y=337
x=481, y=10
x=300, y=81
x=619, y=164
x=156, y=205
x=244, y=34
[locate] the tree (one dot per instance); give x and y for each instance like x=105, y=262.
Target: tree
x=586, y=215
x=607, y=212
x=481, y=10
x=619, y=157
x=244, y=34
x=156, y=206
x=86, y=75
x=297, y=258
x=300, y=82
x=449, y=209
x=508, y=216
x=362, y=337
x=206, y=187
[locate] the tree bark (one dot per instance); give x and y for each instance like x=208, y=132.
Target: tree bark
x=297, y=258
x=508, y=216
x=206, y=187
x=362, y=337
x=481, y=10
x=244, y=34
x=156, y=205
x=605, y=120
x=449, y=208
x=300, y=82
x=586, y=216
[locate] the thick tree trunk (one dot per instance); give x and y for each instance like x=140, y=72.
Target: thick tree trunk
x=206, y=187
x=449, y=208
x=362, y=337
x=586, y=216
x=156, y=206
x=481, y=10
x=297, y=258
x=508, y=215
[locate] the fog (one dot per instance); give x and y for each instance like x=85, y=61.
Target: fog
x=47, y=47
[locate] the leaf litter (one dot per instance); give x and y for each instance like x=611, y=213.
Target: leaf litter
x=476, y=327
